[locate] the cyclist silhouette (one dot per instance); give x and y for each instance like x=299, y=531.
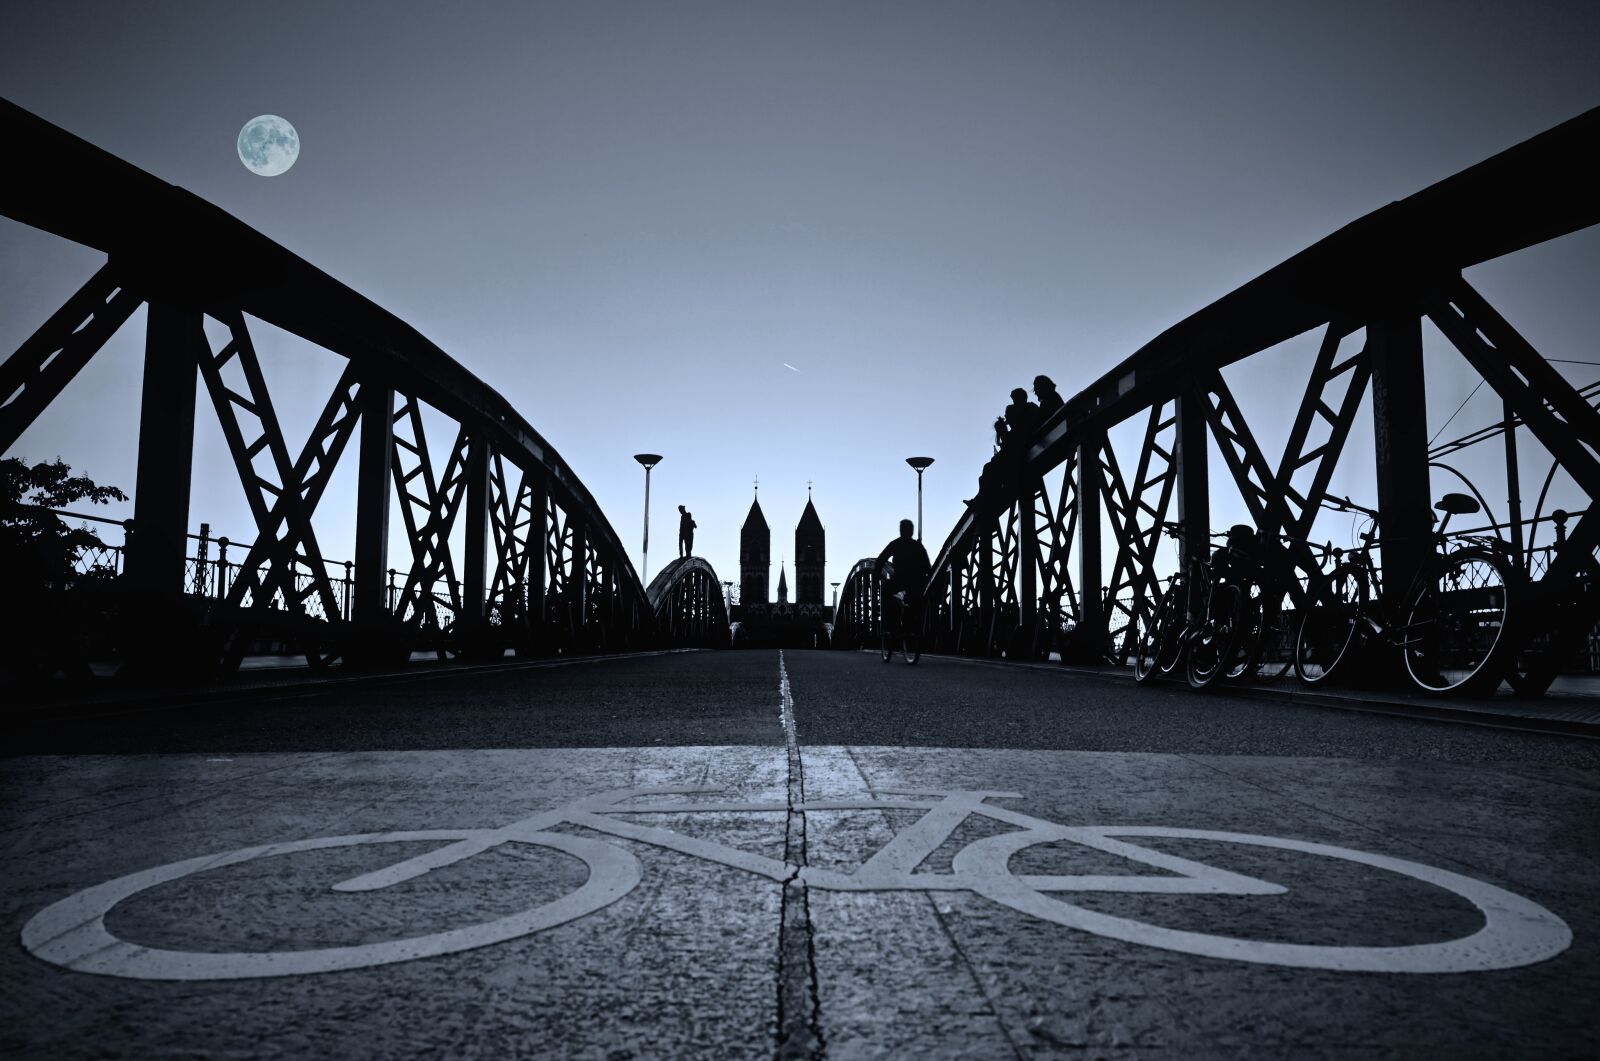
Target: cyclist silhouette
x=908, y=568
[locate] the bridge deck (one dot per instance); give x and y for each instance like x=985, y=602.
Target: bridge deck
x=707, y=955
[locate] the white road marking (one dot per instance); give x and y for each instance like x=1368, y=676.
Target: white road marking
x=1516, y=931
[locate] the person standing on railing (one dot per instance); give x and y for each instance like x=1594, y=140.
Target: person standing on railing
x=686, y=526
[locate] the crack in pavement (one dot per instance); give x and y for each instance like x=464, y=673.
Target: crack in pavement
x=799, y=1033
x=962, y=958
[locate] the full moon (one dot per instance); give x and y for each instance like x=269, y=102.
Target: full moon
x=268, y=145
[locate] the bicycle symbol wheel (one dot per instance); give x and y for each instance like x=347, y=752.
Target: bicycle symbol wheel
x=72, y=933
x=1516, y=931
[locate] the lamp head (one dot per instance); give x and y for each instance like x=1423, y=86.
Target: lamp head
x=649, y=460
x=919, y=463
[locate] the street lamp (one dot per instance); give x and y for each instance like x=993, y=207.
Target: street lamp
x=727, y=596
x=921, y=465
x=835, y=598
x=649, y=460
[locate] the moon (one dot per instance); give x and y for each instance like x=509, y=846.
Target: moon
x=268, y=145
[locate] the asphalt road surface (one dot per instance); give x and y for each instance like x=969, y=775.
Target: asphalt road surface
x=815, y=854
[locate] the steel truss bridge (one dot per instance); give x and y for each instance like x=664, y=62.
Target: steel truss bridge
x=538, y=568
x=1068, y=556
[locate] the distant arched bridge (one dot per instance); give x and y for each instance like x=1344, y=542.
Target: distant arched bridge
x=540, y=569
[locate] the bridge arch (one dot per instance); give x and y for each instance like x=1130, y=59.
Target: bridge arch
x=687, y=603
x=857, y=618
x=1060, y=550
x=540, y=568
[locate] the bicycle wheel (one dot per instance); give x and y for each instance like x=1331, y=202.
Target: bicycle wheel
x=909, y=650
x=887, y=647
x=1515, y=931
x=1328, y=629
x=1154, y=626
x=72, y=933
x=1213, y=648
x=1455, y=637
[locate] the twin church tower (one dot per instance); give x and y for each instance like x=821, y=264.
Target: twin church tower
x=755, y=568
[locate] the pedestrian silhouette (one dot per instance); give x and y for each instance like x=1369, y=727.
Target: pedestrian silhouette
x=686, y=527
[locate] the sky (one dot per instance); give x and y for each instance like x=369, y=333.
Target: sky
x=793, y=241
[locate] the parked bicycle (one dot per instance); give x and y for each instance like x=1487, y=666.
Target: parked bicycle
x=1241, y=628
x=1158, y=633
x=1264, y=651
x=1450, y=626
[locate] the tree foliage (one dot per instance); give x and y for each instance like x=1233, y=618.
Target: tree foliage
x=37, y=546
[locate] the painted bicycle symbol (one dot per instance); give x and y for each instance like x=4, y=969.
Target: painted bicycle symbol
x=1515, y=931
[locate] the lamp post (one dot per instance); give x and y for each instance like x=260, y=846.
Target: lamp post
x=649, y=460
x=921, y=465
x=835, y=600
x=727, y=597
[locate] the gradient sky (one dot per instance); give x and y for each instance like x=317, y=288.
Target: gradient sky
x=626, y=217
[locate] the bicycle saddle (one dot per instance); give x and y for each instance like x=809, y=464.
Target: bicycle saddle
x=1458, y=505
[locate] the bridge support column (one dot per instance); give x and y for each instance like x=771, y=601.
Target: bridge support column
x=1088, y=641
x=475, y=554
x=369, y=606
x=1194, y=488
x=173, y=340
x=1028, y=562
x=534, y=578
x=160, y=628
x=1400, y=439
x=986, y=594
x=578, y=584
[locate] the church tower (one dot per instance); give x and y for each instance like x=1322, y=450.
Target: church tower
x=755, y=559
x=810, y=556
x=783, y=587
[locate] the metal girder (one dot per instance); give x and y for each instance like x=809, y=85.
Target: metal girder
x=1135, y=519
x=1535, y=191
x=278, y=495
x=1266, y=493
x=1557, y=414
x=1326, y=372
x=516, y=546
x=429, y=517
x=50, y=358
x=1565, y=423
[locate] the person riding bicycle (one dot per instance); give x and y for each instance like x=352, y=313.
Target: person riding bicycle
x=907, y=569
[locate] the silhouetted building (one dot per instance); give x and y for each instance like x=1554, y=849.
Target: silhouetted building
x=755, y=558
x=798, y=623
x=810, y=557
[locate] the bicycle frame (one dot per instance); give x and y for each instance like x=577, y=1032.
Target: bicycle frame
x=1375, y=619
